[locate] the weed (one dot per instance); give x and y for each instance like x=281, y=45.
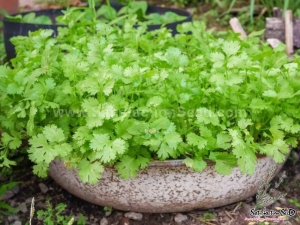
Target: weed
x=207, y=216
x=262, y=196
x=295, y=202
x=53, y=216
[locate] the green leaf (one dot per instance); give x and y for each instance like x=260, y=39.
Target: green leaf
x=231, y=47
x=270, y=94
x=14, y=89
x=105, y=149
x=99, y=141
x=6, y=187
x=6, y=162
x=224, y=162
x=12, y=142
x=195, y=140
x=259, y=104
x=41, y=169
x=196, y=164
x=246, y=159
x=119, y=146
x=154, y=101
x=127, y=167
x=143, y=162
x=106, y=11
x=108, y=111
x=172, y=139
x=218, y=58
x=121, y=129
x=90, y=172
x=257, y=33
x=45, y=153
x=207, y=116
x=244, y=123
x=165, y=151
x=54, y=134
x=223, y=141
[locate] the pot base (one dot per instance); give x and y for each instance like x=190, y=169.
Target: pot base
x=165, y=187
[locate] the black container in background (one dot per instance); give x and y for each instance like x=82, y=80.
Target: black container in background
x=12, y=28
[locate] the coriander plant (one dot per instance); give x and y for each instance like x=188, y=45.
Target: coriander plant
x=99, y=95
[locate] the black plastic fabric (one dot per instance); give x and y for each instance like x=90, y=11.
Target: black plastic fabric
x=12, y=29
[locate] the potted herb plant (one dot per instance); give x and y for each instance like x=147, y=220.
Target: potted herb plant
x=147, y=121
x=153, y=16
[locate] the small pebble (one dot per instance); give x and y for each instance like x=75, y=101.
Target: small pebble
x=103, y=221
x=23, y=207
x=296, y=178
x=17, y=223
x=134, y=215
x=179, y=218
x=12, y=218
x=16, y=189
x=125, y=221
x=41, y=205
x=7, y=195
x=283, y=201
x=28, y=200
x=43, y=188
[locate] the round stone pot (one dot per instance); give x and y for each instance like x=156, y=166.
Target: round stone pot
x=163, y=187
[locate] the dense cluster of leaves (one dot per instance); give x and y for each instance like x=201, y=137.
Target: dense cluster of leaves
x=105, y=13
x=102, y=95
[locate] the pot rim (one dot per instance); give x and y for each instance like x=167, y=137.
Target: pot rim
x=180, y=163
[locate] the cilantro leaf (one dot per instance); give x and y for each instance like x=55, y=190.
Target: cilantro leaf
x=207, y=116
x=223, y=141
x=231, y=47
x=196, y=164
x=127, y=167
x=11, y=141
x=89, y=172
x=105, y=149
x=54, y=134
x=195, y=140
x=224, y=162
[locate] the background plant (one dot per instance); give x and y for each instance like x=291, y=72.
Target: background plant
x=54, y=215
x=293, y=5
x=6, y=209
x=264, y=195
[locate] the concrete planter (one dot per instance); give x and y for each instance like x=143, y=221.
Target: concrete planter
x=165, y=187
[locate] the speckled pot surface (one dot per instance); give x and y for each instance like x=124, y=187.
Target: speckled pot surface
x=165, y=187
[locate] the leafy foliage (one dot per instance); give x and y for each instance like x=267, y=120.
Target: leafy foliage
x=54, y=215
x=101, y=95
x=6, y=209
x=105, y=13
